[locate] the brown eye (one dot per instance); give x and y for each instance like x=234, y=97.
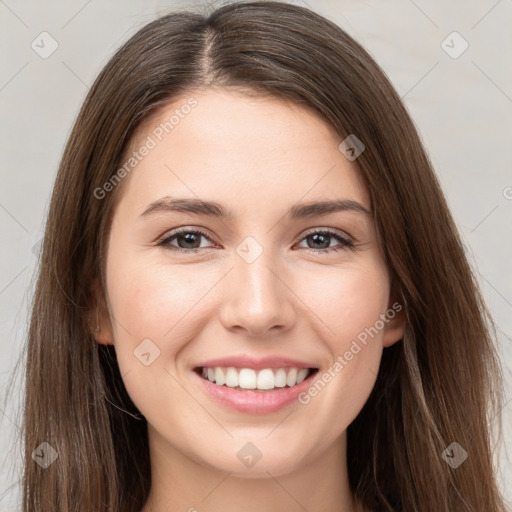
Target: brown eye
x=187, y=240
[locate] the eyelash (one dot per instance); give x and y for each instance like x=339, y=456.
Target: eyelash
x=345, y=242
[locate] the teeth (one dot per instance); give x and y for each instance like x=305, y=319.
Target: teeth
x=247, y=378
x=301, y=375
x=266, y=379
x=231, y=378
x=291, y=378
x=280, y=378
x=220, y=376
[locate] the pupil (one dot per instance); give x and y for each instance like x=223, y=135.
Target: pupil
x=317, y=236
x=189, y=239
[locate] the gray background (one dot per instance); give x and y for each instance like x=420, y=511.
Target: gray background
x=462, y=105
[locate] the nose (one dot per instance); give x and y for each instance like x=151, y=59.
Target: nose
x=258, y=302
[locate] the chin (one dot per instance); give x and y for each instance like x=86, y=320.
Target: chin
x=277, y=463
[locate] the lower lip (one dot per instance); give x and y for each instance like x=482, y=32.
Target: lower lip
x=255, y=402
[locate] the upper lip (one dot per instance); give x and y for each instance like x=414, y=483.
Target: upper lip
x=255, y=363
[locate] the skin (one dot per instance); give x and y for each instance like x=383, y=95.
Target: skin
x=258, y=157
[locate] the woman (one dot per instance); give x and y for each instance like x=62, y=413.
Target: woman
x=192, y=348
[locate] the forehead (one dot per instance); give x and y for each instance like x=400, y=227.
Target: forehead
x=241, y=148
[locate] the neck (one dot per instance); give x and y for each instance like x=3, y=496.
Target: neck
x=179, y=483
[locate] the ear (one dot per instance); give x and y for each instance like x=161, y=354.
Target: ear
x=397, y=320
x=99, y=318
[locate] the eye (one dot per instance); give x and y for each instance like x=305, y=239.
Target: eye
x=324, y=237
x=186, y=238
x=189, y=240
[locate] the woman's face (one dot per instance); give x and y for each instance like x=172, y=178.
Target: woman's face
x=261, y=282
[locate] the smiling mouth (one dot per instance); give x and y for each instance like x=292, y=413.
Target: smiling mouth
x=248, y=379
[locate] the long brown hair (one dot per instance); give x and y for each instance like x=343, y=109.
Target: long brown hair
x=440, y=384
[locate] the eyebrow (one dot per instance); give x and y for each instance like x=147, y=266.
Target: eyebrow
x=214, y=209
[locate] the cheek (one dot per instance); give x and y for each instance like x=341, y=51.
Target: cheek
x=348, y=300
x=349, y=304
x=150, y=301
x=151, y=310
